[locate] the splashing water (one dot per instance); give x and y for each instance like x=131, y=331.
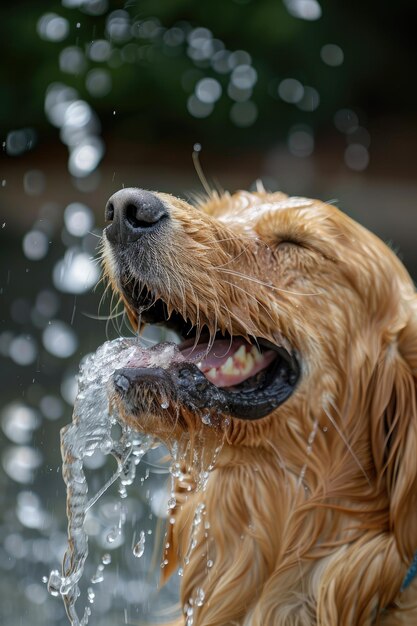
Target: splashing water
x=91, y=430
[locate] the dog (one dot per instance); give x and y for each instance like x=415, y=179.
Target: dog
x=289, y=408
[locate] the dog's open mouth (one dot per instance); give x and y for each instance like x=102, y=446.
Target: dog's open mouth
x=225, y=374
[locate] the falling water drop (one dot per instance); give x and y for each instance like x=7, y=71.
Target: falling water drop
x=200, y=596
x=54, y=583
x=139, y=547
x=98, y=576
x=172, y=502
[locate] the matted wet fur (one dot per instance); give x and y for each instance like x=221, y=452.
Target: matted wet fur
x=310, y=513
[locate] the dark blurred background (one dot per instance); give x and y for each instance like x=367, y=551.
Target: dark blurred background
x=314, y=98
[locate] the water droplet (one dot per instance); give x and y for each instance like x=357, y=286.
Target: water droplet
x=54, y=583
x=210, y=563
x=122, y=491
x=175, y=470
x=91, y=595
x=98, y=576
x=106, y=559
x=139, y=547
x=206, y=418
x=200, y=595
x=172, y=502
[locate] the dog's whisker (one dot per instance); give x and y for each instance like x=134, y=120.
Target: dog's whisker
x=200, y=173
x=249, y=295
x=102, y=318
x=232, y=260
x=269, y=285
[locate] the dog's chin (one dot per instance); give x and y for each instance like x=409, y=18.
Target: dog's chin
x=204, y=380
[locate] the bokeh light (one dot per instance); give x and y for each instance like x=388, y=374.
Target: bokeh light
x=332, y=54
x=21, y=462
x=208, y=90
x=304, y=9
x=98, y=82
x=357, y=157
x=346, y=121
x=23, y=350
x=118, y=26
x=99, y=50
x=35, y=245
x=291, y=90
x=59, y=339
x=53, y=27
x=310, y=99
x=19, y=421
x=76, y=272
x=34, y=182
x=19, y=141
x=72, y=60
x=197, y=108
x=301, y=141
x=78, y=218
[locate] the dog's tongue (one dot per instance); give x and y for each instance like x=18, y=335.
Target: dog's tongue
x=228, y=363
x=219, y=352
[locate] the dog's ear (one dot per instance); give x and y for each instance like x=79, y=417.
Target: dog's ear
x=394, y=436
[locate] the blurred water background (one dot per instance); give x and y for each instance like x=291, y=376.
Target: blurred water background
x=313, y=98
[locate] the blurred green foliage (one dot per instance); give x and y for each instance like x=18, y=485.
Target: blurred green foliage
x=150, y=95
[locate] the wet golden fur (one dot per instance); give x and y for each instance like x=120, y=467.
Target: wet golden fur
x=310, y=514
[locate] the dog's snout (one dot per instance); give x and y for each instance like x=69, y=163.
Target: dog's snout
x=133, y=213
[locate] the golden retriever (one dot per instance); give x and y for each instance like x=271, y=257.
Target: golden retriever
x=290, y=408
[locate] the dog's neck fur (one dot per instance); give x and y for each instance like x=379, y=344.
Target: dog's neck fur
x=255, y=532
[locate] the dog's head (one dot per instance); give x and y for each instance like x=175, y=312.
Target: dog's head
x=296, y=324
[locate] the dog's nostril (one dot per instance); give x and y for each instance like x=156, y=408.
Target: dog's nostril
x=135, y=217
x=109, y=213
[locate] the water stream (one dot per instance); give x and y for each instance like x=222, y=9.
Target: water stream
x=92, y=429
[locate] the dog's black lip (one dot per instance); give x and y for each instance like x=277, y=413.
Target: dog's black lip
x=186, y=384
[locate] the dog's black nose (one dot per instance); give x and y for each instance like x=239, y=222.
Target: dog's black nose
x=133, y=213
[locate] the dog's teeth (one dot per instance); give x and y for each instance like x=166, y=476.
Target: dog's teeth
x=256, y=354
x=212, y=373
x=242, y=363
x=240, y=355
x=229, y=366
x=249, y=363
